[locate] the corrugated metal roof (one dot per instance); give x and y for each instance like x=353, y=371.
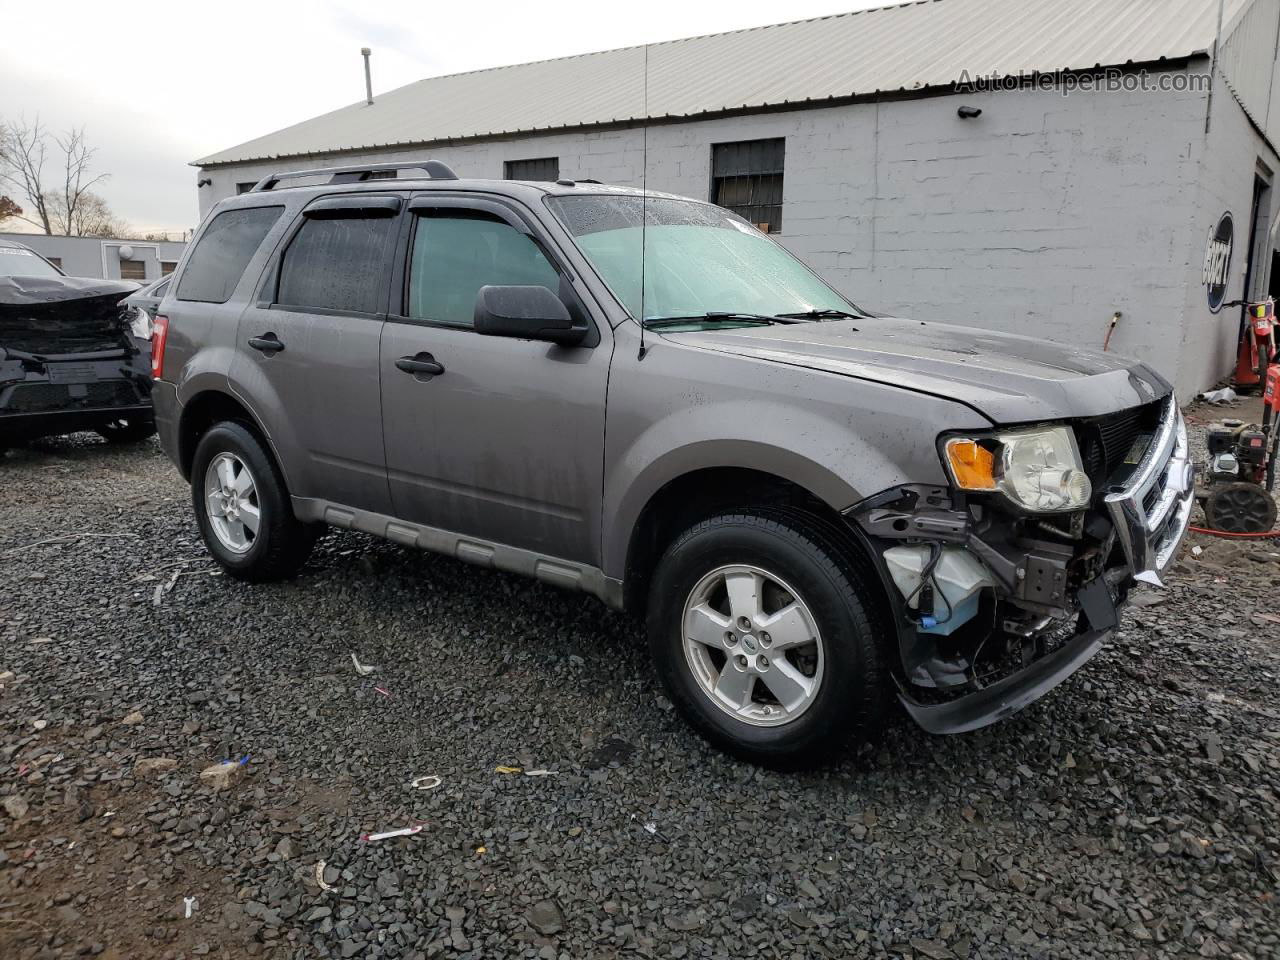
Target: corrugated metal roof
x=911, y=46
x=1246, y=58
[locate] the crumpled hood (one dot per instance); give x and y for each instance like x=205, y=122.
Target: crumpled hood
x=50, y=316
x=1006, y=377
x=32, y=291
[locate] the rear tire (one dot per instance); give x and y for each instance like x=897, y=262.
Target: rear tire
x=242, y=507
x=126, y=430
x=801, y=674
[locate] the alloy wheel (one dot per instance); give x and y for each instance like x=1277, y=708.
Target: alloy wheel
x=752, y=645
x=231, y=502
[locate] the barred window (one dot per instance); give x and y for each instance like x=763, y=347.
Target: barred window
x=746, y=177
x=543, y=169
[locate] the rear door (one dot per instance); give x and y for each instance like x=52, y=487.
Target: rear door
x=506, y=442
x=307, y=355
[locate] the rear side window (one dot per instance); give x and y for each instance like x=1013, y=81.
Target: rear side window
x=338, y=264
x=455, y=253
x=225, y=249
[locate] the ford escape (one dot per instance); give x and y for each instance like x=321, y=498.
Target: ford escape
x=640, y=396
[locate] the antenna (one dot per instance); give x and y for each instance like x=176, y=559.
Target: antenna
x=644, y=197
x=368, y=77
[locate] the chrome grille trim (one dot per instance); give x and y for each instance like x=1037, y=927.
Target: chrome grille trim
x=1150, y=538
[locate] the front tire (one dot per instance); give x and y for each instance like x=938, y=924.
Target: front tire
x=767, y=638
x=242, y=507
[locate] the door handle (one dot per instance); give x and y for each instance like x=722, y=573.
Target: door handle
x=419, y=364
x=267, y=343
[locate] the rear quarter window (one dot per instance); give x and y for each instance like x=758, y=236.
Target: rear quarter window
x=223, y=251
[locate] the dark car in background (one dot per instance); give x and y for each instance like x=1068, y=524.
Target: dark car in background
x=73, y=355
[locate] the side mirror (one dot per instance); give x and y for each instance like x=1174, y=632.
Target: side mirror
x=526, y=313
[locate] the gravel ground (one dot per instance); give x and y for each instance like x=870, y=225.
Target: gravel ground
x=1132, y=813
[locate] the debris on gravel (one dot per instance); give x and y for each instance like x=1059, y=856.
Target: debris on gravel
x=1133, y=812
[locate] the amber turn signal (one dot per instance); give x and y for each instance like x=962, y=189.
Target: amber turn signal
x=973, y=467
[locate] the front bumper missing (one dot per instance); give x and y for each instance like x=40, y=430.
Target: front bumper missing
x=1006, y=697
x=1152, y=511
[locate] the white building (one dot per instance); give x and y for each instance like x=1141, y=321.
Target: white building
x=1101, y=167
x=105, y=257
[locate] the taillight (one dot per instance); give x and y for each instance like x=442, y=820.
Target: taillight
x=159, y=337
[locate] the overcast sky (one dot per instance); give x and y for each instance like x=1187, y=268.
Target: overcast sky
x=158, y=84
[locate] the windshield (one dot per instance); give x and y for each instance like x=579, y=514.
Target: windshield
x=19, y=262
x=698, y=259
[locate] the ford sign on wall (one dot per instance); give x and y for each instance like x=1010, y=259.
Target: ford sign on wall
x=1217, y=261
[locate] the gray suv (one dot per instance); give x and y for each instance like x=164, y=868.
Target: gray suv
x=815, y=509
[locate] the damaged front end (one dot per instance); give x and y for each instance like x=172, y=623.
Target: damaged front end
x=994, y=603
x=69, y=357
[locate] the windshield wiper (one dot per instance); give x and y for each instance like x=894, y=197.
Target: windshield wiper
x=821, y=315
x=713, y=316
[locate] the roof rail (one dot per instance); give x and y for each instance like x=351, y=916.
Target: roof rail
x=434, y=169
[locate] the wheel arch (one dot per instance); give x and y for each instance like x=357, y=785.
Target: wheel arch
x=207, y=408
x=697, y=494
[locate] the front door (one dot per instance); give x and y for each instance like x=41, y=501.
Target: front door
x=307, y=357
x=490, y=437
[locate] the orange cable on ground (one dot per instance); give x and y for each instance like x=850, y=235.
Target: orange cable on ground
x=1236, y=536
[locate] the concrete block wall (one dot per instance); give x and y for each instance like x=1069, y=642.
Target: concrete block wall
x=1232, y=154
x=1044, y=216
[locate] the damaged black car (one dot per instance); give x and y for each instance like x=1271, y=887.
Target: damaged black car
x=73, y=355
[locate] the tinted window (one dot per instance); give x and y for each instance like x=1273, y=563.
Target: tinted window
x=338, y=264
x=457, y=253
x=224, y=250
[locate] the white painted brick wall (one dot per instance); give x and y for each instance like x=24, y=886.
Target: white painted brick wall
x=1044, y=216
x=1227, y=168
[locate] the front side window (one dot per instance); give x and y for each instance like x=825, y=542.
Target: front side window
x=456, y=252
x=338, y=264
x=223, y=251
x=697, y=259
x=20, y=262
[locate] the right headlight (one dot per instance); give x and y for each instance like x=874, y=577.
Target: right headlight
x=1039, y=468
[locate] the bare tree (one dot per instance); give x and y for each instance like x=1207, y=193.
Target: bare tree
x=22, y=155
x=81, y=209
x=72, y=208
x=90, y=217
